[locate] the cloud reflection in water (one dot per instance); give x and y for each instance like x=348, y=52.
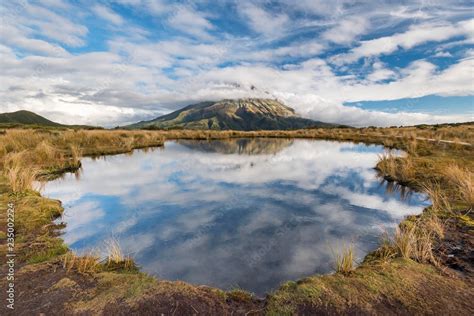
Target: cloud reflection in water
x=248, y=213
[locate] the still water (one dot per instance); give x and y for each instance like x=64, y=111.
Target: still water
x=249, y=213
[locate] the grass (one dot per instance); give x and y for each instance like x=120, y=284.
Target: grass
x=344, y=261
x=45, y=248
x=21, y=179
x=116, y=260
x=395, y=168
x=442, y=170
x=88, y=263
x=239, y=294
x=462, y=179
x=415, y=243
x=365, y=290
x=91, y=261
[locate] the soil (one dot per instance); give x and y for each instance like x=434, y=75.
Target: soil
x=34, y=292
x=456, y=251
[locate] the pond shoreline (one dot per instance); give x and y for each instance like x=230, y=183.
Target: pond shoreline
x=174, y=190
x=146, y=293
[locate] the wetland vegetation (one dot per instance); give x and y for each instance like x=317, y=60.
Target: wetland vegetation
x=424, y=267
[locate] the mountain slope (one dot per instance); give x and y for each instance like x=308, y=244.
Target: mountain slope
x=25, y=117
x=240, y=114
x=29, y=119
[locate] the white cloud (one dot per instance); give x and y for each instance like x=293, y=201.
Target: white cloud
x=56, y=3
x=381, y=72
x=442, y=54
x=262, y=21
x=54, y=26
x=107, y=14
x=190, y=21
x=415, y=35
x=13, y=36
x=142, y=73
x=346, y=30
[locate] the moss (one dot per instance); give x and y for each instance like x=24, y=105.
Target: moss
x=112, y=286
x=126, y=265
x=46, y=249
x=399, y=281
x=239, y=295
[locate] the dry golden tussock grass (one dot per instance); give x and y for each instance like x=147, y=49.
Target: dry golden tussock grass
x=116, y=258
x=20, y=177
x=438, y=197
x=88, y=263
x=415, y=240
x=344, y=261
x=462, y=179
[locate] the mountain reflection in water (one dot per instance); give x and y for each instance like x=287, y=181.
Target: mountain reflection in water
x=248, y=146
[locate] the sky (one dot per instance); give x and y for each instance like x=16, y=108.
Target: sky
x=360, y=63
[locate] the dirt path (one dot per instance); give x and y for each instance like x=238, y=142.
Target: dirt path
x=444, y=141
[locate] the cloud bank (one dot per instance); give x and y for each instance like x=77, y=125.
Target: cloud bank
x=117, y=62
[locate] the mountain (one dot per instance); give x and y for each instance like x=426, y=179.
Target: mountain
x=25, y=117
x=21, y=118
x=240, y=114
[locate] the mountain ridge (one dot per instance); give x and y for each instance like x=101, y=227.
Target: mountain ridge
x=232, y=114
x=27, y=118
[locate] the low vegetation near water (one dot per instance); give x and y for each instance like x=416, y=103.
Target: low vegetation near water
x=437, y=160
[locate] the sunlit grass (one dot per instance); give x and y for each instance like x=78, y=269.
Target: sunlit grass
x=91, y=262
x=116, y=260
x=462, y=179
x=344, y=260
x=88, y=263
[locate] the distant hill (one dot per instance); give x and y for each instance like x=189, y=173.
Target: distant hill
x=26, y=118
x=240, y=114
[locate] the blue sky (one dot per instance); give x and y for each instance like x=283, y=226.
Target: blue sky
x=353, y=62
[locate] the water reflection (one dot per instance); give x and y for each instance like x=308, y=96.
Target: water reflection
x=231, y=213
x=249, y=146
